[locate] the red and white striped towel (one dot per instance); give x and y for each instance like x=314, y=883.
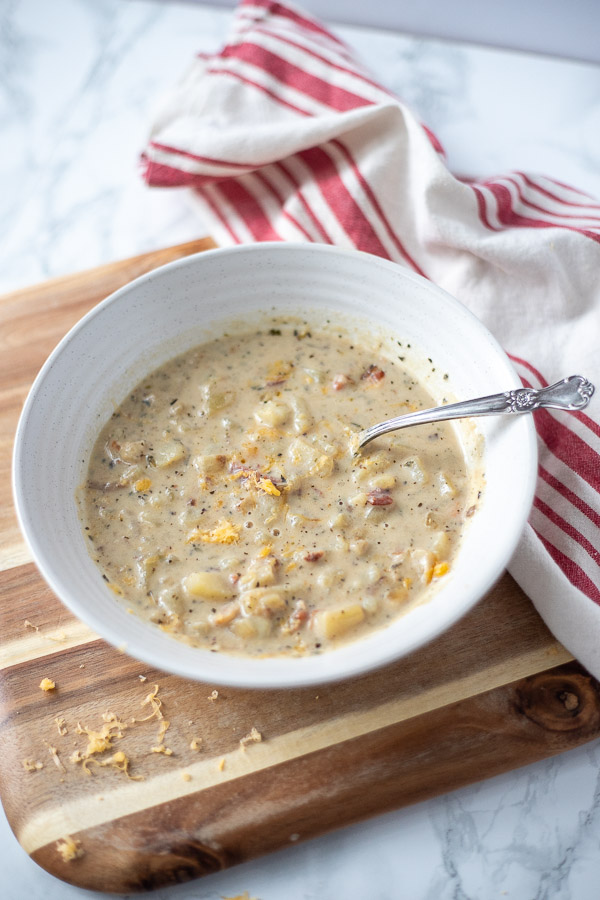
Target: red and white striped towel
x=284, y=136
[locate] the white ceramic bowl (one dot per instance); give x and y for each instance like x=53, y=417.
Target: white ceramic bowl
x=177, y=306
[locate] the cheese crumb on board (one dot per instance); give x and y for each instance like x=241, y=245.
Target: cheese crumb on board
x=98, y=741
x=69, y=849
x=221, y=765
x=61, y=726
x=54, y=754
x=166, y=751
x=46, y=684
x=155, y=702
x=196, y=744
x=253, y=737
x=31, y=765
x=244, y=896
x=214, y=695
x=185, y=776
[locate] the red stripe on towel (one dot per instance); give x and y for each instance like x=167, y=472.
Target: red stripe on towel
x=293, y=76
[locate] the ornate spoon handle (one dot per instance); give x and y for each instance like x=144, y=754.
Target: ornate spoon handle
x=570, y=393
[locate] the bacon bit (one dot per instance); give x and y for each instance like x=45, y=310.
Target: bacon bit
x=256, y=479
x=340, y=381
x=254, y=737
x=234, y=577
x=378, y=497
x=373, y=374
x=297, y=618
x=313, y=555
x=69, y=849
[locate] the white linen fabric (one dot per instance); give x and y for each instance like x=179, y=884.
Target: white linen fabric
x=282, y=135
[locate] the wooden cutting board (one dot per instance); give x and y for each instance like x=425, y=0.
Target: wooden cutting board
x=495, y=692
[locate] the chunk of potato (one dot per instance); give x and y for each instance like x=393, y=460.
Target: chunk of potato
x=272, y=413
x=371, y=464
x=414, y=471
x=216, y=396
x=209, y=464
x=332, y=623
x=207, y=585
x=441, y=544
x=302, y=455
x=132, y=451
x=323, y=466
x=170, y=601
x=303, y=420
x=383, y=482
x=225, y=615
x=262, y=601
x=446, y=486
x=251, y=627
x=260, y=573
x=168, y=453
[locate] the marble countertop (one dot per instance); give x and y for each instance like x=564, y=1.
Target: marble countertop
x=79, y=80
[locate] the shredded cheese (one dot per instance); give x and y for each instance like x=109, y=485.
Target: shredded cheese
x=32, y=766
x=155, y=702
x=266, y=485
x=223, y=533
x=46, y=684
x=98, y=741
x=70, y=849
x=253, y=737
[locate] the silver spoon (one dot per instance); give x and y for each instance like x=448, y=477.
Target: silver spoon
x=571, y=393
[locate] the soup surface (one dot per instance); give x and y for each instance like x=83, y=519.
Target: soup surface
x=224, y=501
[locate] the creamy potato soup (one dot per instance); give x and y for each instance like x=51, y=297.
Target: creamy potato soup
x=224, y=501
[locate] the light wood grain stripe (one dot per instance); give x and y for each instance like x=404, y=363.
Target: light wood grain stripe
x=14, y=554
x=37, y=644
x=50, y=824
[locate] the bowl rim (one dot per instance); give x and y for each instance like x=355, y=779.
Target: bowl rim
x=260, y=678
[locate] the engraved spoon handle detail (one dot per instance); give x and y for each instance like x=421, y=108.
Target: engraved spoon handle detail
x=571, y=393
